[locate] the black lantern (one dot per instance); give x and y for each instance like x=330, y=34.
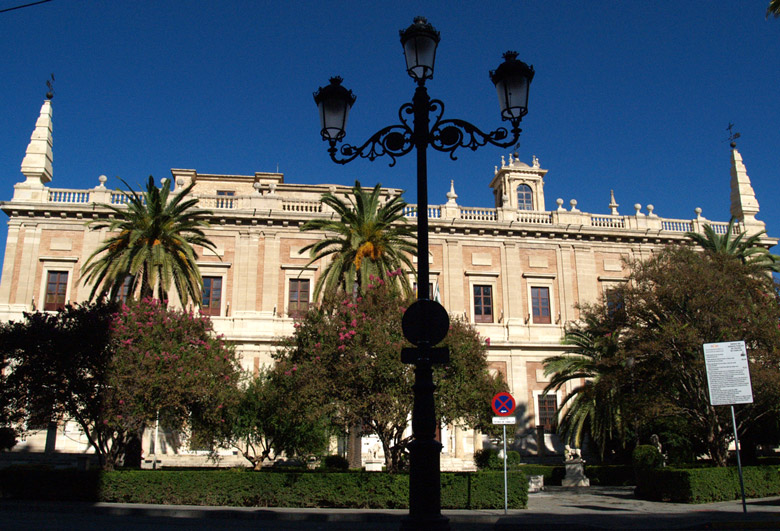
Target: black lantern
x=512, y=79
x=334, y=102
x=420, y=41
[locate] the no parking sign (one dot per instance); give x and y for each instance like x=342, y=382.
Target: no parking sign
x=503, y=404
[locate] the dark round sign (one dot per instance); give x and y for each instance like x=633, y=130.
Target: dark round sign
x=503, y=404
x=425, y=322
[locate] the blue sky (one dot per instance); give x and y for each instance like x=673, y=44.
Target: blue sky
x=629, y=96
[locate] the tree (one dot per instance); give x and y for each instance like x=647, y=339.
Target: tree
x=112, y=369
x=347, y=353
x=749, y=250
x=773, y=9
x=368, y=238
x=595, y=365
x=679, y=300
x=269, y=417
x=153, y=247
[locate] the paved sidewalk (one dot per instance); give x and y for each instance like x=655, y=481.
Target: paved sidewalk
x=555, y=508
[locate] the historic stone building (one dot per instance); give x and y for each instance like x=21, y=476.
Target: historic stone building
x=516, y=271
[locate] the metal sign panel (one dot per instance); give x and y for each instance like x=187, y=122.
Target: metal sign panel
x=504, y=420
x=503, y=404
x=728, y=374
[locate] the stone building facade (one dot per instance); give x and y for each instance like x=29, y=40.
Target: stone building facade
x=516, y=271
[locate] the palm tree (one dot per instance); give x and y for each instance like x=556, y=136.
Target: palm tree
x=773, y=9
x=153, y=247
x=594, y=405
x=749, y=250
x=366, y=239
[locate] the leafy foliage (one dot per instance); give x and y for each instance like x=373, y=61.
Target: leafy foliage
x=594, y=405
x=347, y=355
x=112, y=369
x=153, y=247
x=267, y=418
x=749, y=250
x=647, y=456
x=644, y=367
x=706, y=485
x=680, y=300
x=367, y=239
x=773, y=9
x=242, y=488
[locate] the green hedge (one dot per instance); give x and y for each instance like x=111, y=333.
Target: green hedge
x=243, y=488
x=704, y=485
x=602, y=475
x=610, y=475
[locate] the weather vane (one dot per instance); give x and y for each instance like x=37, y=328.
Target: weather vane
x=732, y=135
x=50, y=86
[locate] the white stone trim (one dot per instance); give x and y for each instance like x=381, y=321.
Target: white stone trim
x=217, y=270
x=536, y=394
x=540, y=281
x=296, y=273
x=56, y=263
x=483, y=278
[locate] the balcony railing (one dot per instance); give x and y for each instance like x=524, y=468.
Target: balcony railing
x=278, y=202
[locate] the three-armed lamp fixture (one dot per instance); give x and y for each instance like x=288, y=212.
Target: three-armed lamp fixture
x=425, y=322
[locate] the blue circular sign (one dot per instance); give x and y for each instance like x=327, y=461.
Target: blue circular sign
x=503, y=404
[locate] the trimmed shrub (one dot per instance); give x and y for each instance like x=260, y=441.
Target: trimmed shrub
x=705, y=485
x=647, y=456
x=486, y=459
x=466, y=490
x=610, y=475
x=7, y=438
x=335, y=462
x=553, y=474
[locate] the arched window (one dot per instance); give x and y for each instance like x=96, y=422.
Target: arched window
x=525, y=199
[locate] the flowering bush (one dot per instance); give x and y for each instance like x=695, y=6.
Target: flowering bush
x=346, y=354
x=112, y=369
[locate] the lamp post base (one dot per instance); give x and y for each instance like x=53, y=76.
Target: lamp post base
x=427, y=523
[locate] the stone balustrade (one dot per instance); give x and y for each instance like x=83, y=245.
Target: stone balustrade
x=561, y=216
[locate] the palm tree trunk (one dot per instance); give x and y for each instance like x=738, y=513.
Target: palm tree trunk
x=355, y=447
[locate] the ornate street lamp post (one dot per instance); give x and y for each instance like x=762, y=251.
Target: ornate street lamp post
x=425, y=322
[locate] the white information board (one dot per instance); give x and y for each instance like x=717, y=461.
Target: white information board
x=728, y=375
x=504, y=420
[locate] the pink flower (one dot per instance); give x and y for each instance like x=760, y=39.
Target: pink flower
x=342, y=348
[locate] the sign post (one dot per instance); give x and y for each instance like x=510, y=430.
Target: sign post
x=504, y=405
x=728, y=379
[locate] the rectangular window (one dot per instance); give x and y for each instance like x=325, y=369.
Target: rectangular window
x=540, y=305
x=430, y=290
x=298, y=300
x=56, y=289
x=212, y=296
x=483, y=304
x=124, y=291
x=614, y=300
x=547, y=406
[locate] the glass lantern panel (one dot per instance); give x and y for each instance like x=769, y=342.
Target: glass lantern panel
x=420, y=54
